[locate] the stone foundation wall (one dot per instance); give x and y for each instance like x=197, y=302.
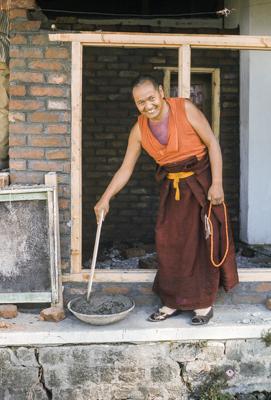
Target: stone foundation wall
x=160, y=371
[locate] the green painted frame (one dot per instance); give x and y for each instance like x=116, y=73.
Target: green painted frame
x=44, y=194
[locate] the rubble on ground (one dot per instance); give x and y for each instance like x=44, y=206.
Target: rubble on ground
x=126, y=255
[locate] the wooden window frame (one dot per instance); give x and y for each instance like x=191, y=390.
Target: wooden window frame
x=184, y=44
x=215, y=83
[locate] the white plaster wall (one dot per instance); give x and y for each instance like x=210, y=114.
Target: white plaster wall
x=254, y=18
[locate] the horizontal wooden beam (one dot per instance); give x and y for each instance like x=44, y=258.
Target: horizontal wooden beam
x=26, y=297
x=130, y=39
x=139, y=275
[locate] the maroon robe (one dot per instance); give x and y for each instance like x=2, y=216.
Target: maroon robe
x=186, y=278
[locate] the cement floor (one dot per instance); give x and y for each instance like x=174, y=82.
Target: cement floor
x=229, y=322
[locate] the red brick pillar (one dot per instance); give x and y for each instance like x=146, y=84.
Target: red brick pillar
x=39, y=111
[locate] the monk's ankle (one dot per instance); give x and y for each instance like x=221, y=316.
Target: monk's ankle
x=167, y=310
x=202, y=311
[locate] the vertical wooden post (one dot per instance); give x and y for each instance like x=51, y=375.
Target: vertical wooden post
x=167, y=77
x=216, y=101
x=184, y=66
x=51, y=180
x=76, y=159
x=4, y=179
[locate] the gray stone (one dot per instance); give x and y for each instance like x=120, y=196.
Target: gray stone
x=261, y=396
x=252, y=369
x=161, y=373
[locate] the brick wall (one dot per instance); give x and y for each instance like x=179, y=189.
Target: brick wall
x=40, y=112
x=40, y=124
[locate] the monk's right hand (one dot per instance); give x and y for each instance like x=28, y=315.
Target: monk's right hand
x=102, y=207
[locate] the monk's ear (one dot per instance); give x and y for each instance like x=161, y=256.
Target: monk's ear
x=161, y=91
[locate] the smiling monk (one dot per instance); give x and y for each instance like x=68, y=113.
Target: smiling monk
x=193, y=238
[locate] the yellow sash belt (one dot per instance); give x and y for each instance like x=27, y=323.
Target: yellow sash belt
x=176, y=176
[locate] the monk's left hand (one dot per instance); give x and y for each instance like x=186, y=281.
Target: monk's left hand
x=216, y=194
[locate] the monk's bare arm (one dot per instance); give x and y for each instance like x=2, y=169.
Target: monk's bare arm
x=123, y=174
x=202, y=127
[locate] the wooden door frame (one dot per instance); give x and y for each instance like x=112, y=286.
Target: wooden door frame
x=184, y=44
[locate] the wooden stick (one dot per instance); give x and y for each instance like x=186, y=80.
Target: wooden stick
x=95, y=252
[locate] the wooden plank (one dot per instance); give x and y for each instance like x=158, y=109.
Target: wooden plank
x=137, y=275
x=27, y=297
x=184, y=67
x=54, y=286
x=76, y=161
x=26, y=189
x=4, y=179
x=134, y=39
x=51, y=180
x=216, y=102
x=23, y=196
x=166, y=83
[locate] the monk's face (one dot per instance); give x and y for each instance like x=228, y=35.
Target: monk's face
x=149, y=100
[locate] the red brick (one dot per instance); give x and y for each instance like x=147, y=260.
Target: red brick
x=27, y=4
x=46, y=65
x=53, y=314
x=25, y=128
x=116, y=290
x=40, y=39
x=46, y=166
x=17, y=13
x=26, y=105
x=27, y=76
x=57, y=104
x=48, y=141
x=25, y=53
x=57, y=78
x=18, y=165
x=8, y=311
x=44, y=117
x=54, y=129
x=66, y=116
x=16, y=116
x=268, y=303
x=15, y=63
x=62, y=154
x=18, y=90
x=17, y=140
x=18, y=39
x=28, y=177
x=263, y=287
x=67, y=167
x=57, y=52
x=64, y=204
x=25, y=26
x=26, y=153
x=46, y=91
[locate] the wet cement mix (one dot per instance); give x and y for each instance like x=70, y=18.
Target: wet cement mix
x=102, y=304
